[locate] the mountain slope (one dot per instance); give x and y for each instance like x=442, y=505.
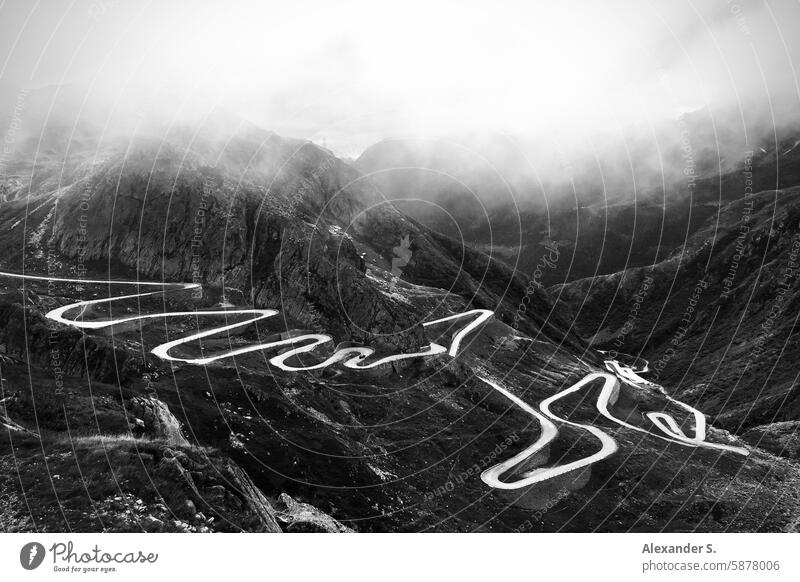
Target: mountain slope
x=260, y=222
x=717, y=320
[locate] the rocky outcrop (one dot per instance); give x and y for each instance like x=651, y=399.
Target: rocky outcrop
x=254, y=498
x=304, y=518
x=152, y=418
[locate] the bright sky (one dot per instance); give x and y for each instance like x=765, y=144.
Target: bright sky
x=353, y=72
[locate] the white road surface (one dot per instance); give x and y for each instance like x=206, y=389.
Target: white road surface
x=351, y=357
x=356, y=358
x=608, y=396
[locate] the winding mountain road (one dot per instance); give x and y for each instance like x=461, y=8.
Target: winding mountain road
x=608, y=396
x=355, y=358
x=351, y=357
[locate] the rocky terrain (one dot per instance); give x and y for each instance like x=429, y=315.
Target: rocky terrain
x=716, y=319
x=100, y=434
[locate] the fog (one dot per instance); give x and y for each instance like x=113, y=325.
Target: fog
x=568, y=85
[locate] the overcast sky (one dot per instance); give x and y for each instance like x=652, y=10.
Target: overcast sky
x=353, y=72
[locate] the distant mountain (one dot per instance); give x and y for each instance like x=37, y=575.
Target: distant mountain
x=628, y=206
